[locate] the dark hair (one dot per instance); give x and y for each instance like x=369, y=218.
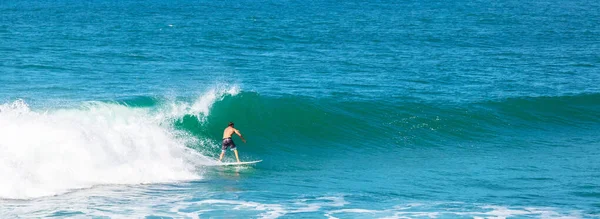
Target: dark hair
x=230, y=123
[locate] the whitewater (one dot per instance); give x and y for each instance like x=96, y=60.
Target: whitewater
x=50, y=152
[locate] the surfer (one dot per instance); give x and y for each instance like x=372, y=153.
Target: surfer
x=228, y=142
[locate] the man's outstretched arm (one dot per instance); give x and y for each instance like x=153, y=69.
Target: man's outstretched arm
x=239, y=134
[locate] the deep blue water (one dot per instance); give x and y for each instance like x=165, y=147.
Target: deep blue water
x=382, y=109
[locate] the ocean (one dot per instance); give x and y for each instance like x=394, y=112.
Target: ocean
x=357, y=109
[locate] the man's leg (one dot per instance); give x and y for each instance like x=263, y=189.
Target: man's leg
x=236, y=155
x=223, y=153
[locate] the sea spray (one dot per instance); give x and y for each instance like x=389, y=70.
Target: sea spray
x=201, y=106
x=51, y=152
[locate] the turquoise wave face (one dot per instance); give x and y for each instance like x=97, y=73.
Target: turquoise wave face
x=312, y=126
x=411, y=149
x=287, y=120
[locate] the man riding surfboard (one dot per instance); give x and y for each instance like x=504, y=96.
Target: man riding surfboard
x=228, y=142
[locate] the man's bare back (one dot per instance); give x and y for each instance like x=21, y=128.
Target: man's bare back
x=229, y=132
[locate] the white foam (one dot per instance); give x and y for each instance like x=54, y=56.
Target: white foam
x=271, y=210
x=51, y=152
x=188, y=201
x=432, y=211
x=202, y=105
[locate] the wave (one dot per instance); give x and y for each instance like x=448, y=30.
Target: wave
x=559, y=110
x=158, y=139
x=289, y=121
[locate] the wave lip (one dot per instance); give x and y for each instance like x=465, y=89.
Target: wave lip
x=201, y=106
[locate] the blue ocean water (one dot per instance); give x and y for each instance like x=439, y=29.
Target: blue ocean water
x=380, y=109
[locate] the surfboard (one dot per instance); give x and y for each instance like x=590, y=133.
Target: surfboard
x=240, y=163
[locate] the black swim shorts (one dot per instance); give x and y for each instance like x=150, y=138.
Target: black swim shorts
x=228, y=143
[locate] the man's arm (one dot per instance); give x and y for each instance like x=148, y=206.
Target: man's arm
x=239, y=134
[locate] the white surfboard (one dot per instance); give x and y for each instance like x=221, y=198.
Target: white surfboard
x=240, y=163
